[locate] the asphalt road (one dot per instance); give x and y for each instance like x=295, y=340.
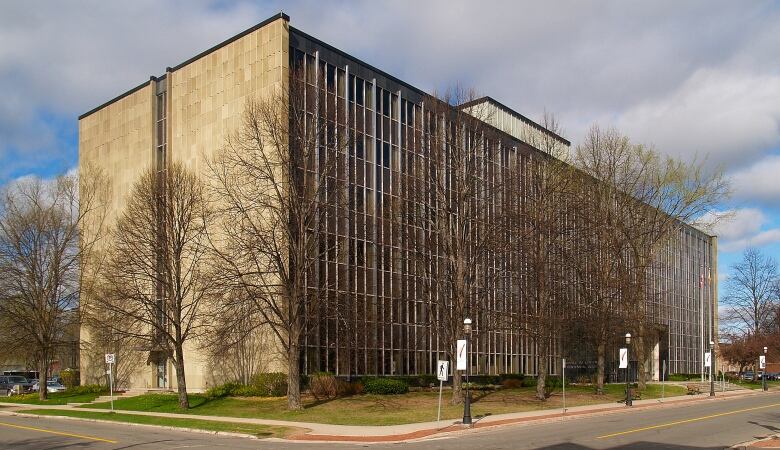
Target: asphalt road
x=699, y=425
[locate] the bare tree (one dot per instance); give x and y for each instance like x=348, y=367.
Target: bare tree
x=750, y=293
x=638, y=202
x=538, y=188
x=237, y=342
x=279, y=180
x=157, y=274
x=42, y=249
x=455, y=236
x=99, y=336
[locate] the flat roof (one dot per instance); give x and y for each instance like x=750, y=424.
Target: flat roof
x=517, y=115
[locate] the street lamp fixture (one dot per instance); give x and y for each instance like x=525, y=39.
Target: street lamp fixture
x=628, y=388
x=763, y=372
x=712, y=361
x=467, y=400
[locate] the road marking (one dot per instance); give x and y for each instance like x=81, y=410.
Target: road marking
x=680, y=422
x=80, y=436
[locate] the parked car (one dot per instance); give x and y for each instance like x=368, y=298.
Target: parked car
x=748, y=376
x=14, y=384
x=51, y=386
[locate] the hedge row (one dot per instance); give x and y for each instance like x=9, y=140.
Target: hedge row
x=324, y=385
x=272, y=384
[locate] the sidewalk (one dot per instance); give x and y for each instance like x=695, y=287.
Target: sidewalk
x=412, y=431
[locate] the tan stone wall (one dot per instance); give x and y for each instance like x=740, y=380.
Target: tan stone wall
x=119, y=140
x=206, y=99
x=208, y=95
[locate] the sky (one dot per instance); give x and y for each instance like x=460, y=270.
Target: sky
x=696, y=79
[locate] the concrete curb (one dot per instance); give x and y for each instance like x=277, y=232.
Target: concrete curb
x=144, y=425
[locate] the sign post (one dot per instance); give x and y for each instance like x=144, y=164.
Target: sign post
x=563, y=382
x=624, y=365
x=663, y=378
x=442, y=372
x=110, y=360
x=762, y=366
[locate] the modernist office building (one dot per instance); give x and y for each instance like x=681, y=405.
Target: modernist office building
x=187, y=113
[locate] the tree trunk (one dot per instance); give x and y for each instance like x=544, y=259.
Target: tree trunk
x=457, y=387
x=181, y=381
x=294, y=378
x=641, y=356
x=600, y=368
x=541, y=373
x=43, y=375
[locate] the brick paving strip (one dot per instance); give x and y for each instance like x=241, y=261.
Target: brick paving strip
x=768, y=442
x=413, y=431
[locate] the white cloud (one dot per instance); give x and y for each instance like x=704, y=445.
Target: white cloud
x=728, y=116
x=734, y=224
x=694, y=76
x=760, y=239
x=740, y=228
x=760, y=182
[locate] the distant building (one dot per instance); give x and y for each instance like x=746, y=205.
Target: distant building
x=187, y=113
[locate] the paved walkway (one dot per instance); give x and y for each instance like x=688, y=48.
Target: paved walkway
x=394, y=433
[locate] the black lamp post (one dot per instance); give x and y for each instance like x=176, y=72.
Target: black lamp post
x=712, y=362
x=467, y=400
x=628, y=389
x=763, y=372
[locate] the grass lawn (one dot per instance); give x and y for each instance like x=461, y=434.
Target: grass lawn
x=263, y=431
x=381, y=409
x=54, y=398
x=771, y=384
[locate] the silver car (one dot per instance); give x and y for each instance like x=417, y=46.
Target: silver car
x=51, y=387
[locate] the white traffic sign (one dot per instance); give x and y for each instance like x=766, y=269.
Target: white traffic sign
x=624, y=358
x=707, y=360
x=563, y=363
x=461, y=354
x=762, y=362
x=442, y=370
x=110, y=358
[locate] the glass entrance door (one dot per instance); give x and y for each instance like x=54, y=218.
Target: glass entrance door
x=162, y=379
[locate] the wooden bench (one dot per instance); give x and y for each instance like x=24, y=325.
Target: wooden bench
x=693, y=389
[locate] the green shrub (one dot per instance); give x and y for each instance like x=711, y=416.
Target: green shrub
x=70, y=378
x=323, y=385
x=273, y=384
x=384, y=386
x=511, y=376
x=529, y=381
x=224, y=390
x=552, y=382
x=683, y=376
